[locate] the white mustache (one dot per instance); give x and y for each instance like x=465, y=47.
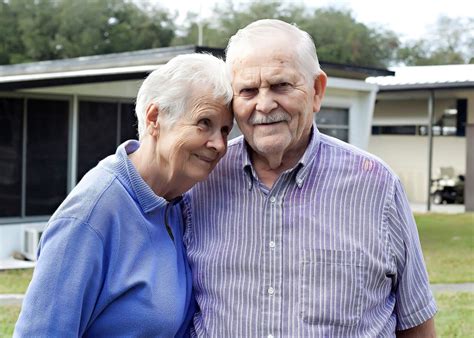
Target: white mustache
x=271, y=118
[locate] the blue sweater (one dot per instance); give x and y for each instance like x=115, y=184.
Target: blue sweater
x=107, y=265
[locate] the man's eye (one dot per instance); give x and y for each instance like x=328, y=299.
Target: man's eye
x=281, y=86
x=248, y=92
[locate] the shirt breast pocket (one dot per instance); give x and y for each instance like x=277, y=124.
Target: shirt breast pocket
x=330, y=287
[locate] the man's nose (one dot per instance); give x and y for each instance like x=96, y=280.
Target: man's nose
x=265, y=101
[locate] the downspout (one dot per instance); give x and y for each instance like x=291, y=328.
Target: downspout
x=430, y=145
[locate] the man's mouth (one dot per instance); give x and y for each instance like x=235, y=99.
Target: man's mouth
x=267, y=123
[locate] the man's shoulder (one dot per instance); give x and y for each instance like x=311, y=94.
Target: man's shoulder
x=349, y=153
x=236, y=143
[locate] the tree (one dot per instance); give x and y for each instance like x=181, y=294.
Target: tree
x=338, y=36
x=53, y=29
x=11, y=47
x=228, y=18
x=455, y=47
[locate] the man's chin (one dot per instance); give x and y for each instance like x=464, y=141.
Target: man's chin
x=270, y=146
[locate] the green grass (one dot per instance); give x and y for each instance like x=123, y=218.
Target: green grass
x=15, y=281
x=8, y=317
x=455, y=317
x=448, y=246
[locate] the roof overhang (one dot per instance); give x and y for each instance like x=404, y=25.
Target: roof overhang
x=427, y=86
x=129, y=66
x=353, y=72
x=15, y=82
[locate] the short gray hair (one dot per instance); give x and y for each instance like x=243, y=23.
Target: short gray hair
x=170, y=86
x=304, y=48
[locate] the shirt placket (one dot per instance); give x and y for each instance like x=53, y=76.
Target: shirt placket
x=272, y=288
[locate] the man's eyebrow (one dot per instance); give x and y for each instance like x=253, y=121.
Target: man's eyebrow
x=245, y=83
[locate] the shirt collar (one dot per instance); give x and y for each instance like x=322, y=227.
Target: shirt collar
x=302, y=168
x=145, y=196
x=309, y=156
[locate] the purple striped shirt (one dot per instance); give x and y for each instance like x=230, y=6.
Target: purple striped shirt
x=331, y=249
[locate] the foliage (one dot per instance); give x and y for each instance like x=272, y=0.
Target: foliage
x=455, y=47
x=228, y=18
x=54, y=29
x=455, y=314
x=338, y=36
x=448, y=246
x=15, y=281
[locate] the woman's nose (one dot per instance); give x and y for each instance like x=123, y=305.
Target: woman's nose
x=218, y=142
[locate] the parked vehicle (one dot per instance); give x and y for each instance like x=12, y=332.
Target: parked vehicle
x=448, y=188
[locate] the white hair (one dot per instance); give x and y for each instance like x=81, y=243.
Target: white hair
x=266, y=29
x=171, y=86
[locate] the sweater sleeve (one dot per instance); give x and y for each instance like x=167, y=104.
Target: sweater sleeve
x=414, y=300
x=66, y=282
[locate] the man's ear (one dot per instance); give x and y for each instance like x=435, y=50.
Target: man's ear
x=151, y=119
x=319, y=89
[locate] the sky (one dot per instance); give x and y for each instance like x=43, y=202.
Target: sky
x=410, y=19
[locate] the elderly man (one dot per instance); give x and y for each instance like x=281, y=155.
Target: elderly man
x=296, y=233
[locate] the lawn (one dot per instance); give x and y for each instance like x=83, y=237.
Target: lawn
x=448, y=246
x=8, y=317
x=15, y=281
x=455, y=317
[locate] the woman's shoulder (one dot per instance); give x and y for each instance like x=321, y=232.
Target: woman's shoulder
x=99, y=194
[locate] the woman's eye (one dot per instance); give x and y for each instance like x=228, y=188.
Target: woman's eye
x=204, y=123
x=225, y=131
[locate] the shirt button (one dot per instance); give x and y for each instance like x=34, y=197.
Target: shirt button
x=270, y=336
x=271, y=244
x=273, y=199
x=271, y=290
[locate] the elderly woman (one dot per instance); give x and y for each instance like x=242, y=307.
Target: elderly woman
x=111, y=261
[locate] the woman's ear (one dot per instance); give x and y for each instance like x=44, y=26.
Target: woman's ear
x=151, y=119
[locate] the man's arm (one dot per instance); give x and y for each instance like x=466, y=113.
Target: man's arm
x=425, y=330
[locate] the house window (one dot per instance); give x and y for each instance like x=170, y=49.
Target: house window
x=34, y=149
x=33, y=165
x=46, y=156
x=128, y=122
x=394, y=130
x=102, y=127
x=11, y=144
x=451, y=123
x=334, y=122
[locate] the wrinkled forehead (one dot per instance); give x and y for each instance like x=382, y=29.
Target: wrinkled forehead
x=275, y=52
x=265, y=67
